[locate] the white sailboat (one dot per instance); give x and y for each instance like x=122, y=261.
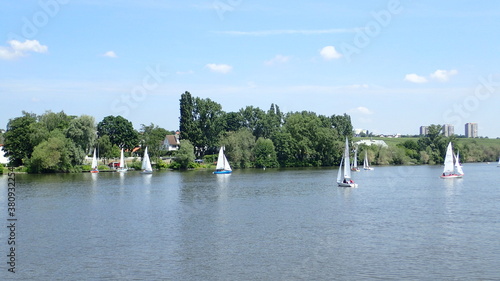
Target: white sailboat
x=451, y=168
x=223, y=166
x=354, y=167
x=498, y=165
x=366, y=163
x=146, y=163
x=94, y=165
x=122, y=168
x=344, y=173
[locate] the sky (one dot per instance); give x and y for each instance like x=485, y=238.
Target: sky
x=392, y=65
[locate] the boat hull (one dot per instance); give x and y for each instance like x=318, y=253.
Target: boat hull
x=353, y=185
x=222, y=172
x=451, y=176
x=368, y=169
x=122, y=170
x=146, y=172
x=94, y=172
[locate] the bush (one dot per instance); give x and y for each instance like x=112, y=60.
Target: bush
x=1, y=168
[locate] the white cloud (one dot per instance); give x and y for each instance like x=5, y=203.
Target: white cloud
x=21, y=49
x=329, y=53
x=110, y=54
x=443, y=75
x=277, y=59
x=414, y=78
x=220, y=68
x=362, y=110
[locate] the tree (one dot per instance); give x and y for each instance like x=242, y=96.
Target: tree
x=253, y=119
x=153, y=137
x=265, y=153
x=343, y=125
x=434, y=144
x=233, y=121
x=82, y=131
x=18, y=145
x=106, y=149
x=273, y=121
x=187, y=126
x=239, y=146
x=119, y=130
x=56, y=154
x=185, y=155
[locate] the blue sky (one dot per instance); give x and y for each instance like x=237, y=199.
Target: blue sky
x=392, y=65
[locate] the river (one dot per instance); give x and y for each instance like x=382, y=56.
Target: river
x=401, y=223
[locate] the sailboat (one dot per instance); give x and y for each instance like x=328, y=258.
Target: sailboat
x=498, y=162
x=146, y=163
x=122, y=167
x=366, y=164
x=223, y=166
x=344, y=173
x=354, y=167
x=93, y=167
x=452, y=168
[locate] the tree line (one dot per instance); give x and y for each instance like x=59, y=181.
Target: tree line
x=253, y=137
x=57, y=142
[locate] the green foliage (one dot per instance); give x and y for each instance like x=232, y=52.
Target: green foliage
x=82, y=131
x=119, y=130
x=184, y=156
x=153, y=137
x=1, y=168
x=18, y=145
x=238, y=148
x=52, y=155
x=265, y=153
x=161, y=165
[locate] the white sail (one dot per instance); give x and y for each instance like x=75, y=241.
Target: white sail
x=122, y=160
x=448, y=161
x=347, y=170
x=94, y=161
x=458, y=167
x=345, y=181
x=146, y=163
x=122, y=167
x=355, y=161
x=339, y=173
x=366, y=163
x=222, y=163
x=498, y=165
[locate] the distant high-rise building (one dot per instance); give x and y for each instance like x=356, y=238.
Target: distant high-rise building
x=424, y=130
x=471, y=130
x=448, y=130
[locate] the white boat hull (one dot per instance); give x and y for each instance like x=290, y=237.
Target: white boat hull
x=451, y=176
x=353, y=185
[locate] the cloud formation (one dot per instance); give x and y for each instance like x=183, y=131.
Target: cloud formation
x=277, y=60
x=443, y=75
x=220, y=68
x=439, y=75
x=329, y=53
x=21, y=49
x=110, y=54
x=414, y=78
x=362, y=110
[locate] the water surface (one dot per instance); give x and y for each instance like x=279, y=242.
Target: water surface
x=275, y=224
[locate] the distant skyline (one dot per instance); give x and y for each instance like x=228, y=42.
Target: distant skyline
x=393, y=65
